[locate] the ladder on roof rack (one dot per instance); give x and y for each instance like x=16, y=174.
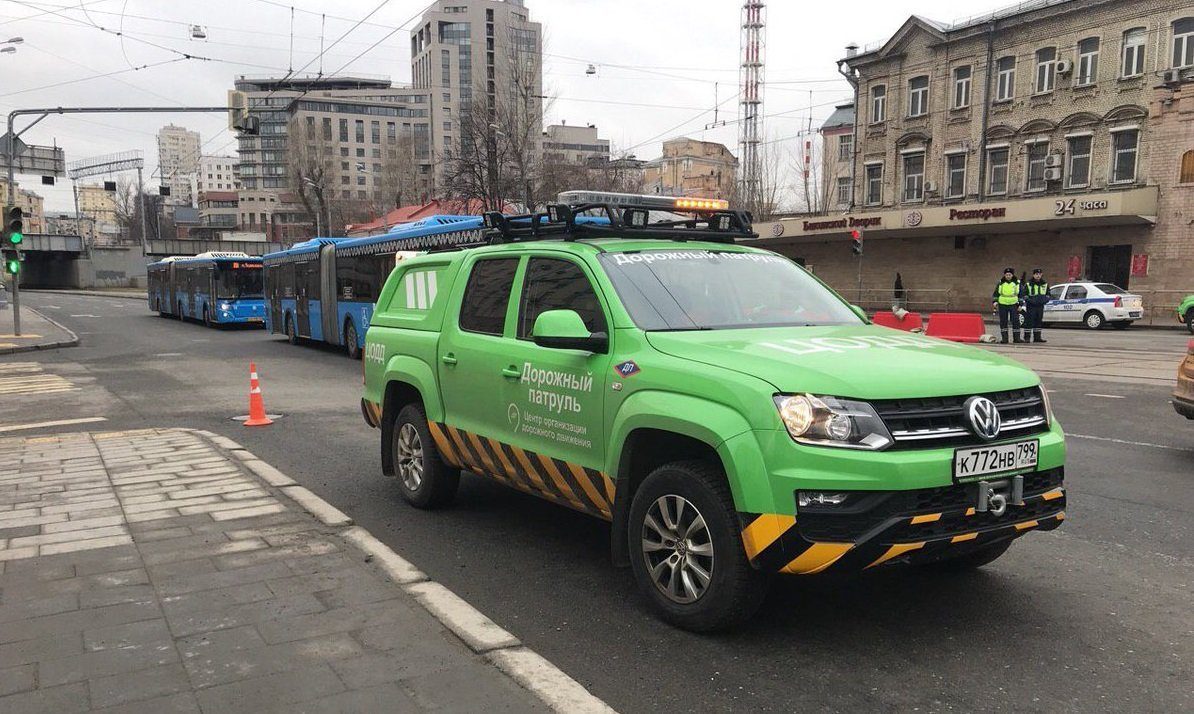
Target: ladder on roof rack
x=623, y=221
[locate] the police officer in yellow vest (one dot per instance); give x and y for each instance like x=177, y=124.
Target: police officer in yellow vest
x=1036, y=294
x=1007, y=299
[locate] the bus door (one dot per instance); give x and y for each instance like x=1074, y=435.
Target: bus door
x=306, y=283
x=329, y=312
x=273, y=277
x=169, y=289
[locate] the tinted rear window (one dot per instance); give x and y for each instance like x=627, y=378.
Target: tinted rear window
x=1109, y=289
x=487, y=294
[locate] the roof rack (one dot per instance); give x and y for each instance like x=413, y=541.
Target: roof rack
x=577, y=222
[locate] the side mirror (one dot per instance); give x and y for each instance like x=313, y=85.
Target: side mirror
x=860, y=312
x=564, y=330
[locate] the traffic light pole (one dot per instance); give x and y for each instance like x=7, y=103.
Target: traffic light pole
x=10, y=159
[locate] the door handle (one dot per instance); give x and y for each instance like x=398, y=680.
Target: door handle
x=512, y=372
x=449, y=359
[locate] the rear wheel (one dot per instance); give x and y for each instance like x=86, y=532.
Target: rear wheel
x=976, y=558
x=350, y=340
x=291, y=337
x=686, y=549
x=1093, y=320
x=423, y=478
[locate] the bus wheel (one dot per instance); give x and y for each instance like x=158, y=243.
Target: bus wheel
x=291, y=337
x=350, y=340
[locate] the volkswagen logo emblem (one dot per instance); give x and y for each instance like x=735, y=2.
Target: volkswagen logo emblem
x=984, y=417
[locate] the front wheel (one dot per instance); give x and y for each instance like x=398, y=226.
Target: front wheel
x=350, y=340
x=686, y=549
x=1093, y=320
x=291, y=337
x=424, y=480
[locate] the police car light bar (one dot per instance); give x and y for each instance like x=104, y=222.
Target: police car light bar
x=647, y=200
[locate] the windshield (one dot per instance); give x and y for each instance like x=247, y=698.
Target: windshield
x=242, y=281
x=1109, y=289
x=719, y=290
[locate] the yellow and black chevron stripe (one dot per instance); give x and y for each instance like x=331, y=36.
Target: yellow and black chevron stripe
x=773, y=543
x=561, y=482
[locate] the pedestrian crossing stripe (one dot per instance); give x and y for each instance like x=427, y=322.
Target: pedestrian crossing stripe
x=568, y=484
x=28, y=378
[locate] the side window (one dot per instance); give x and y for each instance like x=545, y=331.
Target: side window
x=1076, y=292
x=487, y=295
x=553, y=284
x=1055, y=292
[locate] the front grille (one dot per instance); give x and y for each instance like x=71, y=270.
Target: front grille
x=869, y=509
x=935, y=422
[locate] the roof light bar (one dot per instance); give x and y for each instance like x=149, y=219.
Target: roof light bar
x=702, y=204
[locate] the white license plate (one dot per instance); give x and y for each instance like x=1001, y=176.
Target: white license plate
x=996, y=459
x=1135, y=314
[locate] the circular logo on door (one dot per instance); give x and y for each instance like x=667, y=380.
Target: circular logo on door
x=912, y=219
x=777, y=229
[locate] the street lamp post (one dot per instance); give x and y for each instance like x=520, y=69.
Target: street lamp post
x=318, y=209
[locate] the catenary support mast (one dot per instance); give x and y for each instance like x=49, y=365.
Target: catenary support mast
x=750, y=106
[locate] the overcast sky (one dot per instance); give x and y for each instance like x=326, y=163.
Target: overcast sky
x=676, y=56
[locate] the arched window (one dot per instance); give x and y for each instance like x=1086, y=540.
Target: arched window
x=1183, y=42
x=1187, y=175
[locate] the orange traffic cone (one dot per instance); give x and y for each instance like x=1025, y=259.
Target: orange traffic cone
x=257, y=416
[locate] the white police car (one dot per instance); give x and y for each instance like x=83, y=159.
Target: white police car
x=1092, y=305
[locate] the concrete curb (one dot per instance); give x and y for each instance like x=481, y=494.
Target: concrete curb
x=483, y=636
x=92, y=293
x=72, y=342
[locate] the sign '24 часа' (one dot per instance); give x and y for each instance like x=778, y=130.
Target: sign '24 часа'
x=728, y=413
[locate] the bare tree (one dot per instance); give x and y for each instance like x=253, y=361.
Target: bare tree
x=399, y=182
x=311, y=156
x=763, y=198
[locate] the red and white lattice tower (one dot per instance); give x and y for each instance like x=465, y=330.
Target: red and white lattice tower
x=750, y=106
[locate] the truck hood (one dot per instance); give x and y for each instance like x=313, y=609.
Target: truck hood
x=857, y=361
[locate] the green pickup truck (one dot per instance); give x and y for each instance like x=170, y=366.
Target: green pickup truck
x=729, y=414
x=1185, y=313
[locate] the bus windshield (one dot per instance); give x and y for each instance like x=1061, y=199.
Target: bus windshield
x=685, y=289
x=238, y=282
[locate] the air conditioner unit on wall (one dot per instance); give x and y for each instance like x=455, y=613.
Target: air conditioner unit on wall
x=1171, y=76
x=1064, y=67
x=1053, y=161
x=930, y=187
x=1053, y=174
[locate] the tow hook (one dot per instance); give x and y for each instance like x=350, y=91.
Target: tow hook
x=994, y=497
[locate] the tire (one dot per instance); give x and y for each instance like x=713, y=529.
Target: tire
x=291, y=337
x=972, y=560
x=733, y=590
x=1121, y=324
x=1093, y=320
x=1190, y=320
x=424, y=480
x=350, y=340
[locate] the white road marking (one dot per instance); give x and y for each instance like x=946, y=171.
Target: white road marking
x=1129, y=443
x=168, y=354
x=1104, y=396
x=84, y=315
x=51, y=307
x=43, y=424
x=29, y=378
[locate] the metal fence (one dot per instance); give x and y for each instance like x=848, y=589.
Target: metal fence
x=924, y=300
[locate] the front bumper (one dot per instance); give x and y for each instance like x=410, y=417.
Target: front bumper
x=897, y=526
x=1183, y=406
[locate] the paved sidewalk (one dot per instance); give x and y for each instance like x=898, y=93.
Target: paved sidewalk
x=124, y=293
x=151, y=571
x=37, y=332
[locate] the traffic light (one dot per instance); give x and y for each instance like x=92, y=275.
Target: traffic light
x=856, y=242
x=12, y=262
x=14, y=226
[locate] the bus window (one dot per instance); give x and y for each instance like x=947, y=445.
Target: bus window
x=238, y=282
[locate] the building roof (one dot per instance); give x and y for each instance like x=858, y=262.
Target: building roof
x=842, y=116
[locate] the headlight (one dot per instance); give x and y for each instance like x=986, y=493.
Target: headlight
x=225, y=306
x=1048, y=405
x=829, y=421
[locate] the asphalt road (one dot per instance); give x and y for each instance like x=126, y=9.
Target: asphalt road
x=1098, y=615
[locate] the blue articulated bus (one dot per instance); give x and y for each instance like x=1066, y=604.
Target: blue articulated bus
x=217, y=288
x=323, y=289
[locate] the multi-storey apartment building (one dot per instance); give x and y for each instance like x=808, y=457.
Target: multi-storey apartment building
x=30, y=203
x=473, y=51
x=837, y=159
x=578, y=145
x=1025, y=137
x=216, y=173
x=178, y=162
x=689, y=167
